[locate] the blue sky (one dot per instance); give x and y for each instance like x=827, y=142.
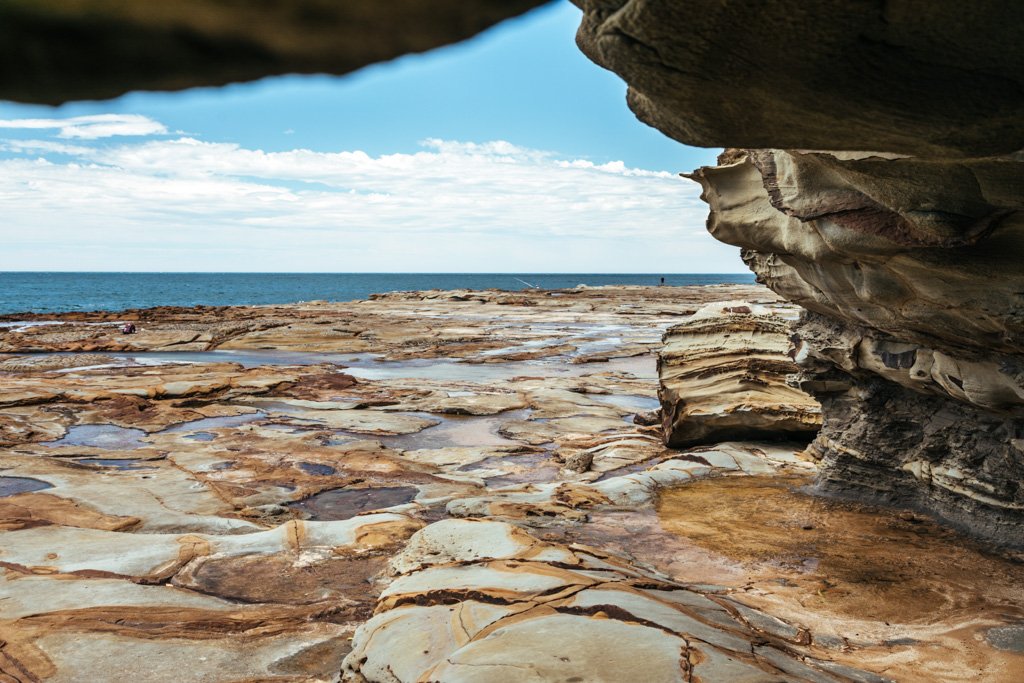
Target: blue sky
x=508, y=152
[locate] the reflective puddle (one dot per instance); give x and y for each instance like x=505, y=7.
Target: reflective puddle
x=345, y=503
x=529, y=468
x=316, y=469
x=1008, y=638
x=628, y=401
x=12, y=486
x=125, y=464
x=457, y=430
x=201, y=436
x=108, y=437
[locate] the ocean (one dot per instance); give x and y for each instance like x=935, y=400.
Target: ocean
x=57, y=292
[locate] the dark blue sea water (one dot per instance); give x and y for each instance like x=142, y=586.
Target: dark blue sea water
x=53, y=292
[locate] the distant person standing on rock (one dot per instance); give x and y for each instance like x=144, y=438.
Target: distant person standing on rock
x=662, y=283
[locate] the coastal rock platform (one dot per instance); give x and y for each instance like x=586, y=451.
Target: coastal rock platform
x=444, y=486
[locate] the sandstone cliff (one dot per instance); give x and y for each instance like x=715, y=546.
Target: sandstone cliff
x=906, y=257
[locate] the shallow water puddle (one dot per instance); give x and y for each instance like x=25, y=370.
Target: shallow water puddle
x=346, y=503
x=1008, y=638
x=641, y=367
x=368, y=366
x=888, y=591
x=246, y=359
x=598, y=345
x=12, y=486
x=207, y=423
x=445, y=369
x=316, y=469
x=457, y=430
x=108, y=437
x=201, y=436
x=126, y=464
x=529, y=468
x=528, y=345
x=628, y=401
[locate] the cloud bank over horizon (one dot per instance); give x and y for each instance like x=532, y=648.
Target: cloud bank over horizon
x=91, y=127
x=122, y=192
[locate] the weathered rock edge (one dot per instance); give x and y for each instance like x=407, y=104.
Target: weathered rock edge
x=913, y=335
x=909, y=76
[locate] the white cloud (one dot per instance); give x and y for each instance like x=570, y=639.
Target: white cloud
x=43, y=147
x=91, y=127
x=459, y=206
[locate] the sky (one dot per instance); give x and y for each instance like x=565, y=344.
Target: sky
x=510, y=152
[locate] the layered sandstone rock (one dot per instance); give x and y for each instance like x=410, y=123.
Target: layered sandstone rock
x=723, y=375
x=913, y=337
x=222, y=516
x=908, y=266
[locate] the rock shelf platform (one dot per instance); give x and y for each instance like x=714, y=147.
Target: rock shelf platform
x=444, y=486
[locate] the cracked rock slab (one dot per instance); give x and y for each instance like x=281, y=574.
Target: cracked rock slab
x=454, y=613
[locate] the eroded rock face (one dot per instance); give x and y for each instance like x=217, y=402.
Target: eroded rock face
x=56, y=51
x=912, y=76
x=908, y=266
x=913, y=335
x=723, y=376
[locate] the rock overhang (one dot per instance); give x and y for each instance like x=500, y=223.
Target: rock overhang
x=874, y=177
x=53, y=51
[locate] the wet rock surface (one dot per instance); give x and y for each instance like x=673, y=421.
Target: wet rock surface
x=911, y=339
x=486, y=601
x=155, y=504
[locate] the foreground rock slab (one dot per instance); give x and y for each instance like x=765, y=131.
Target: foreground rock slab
x=484, y=601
